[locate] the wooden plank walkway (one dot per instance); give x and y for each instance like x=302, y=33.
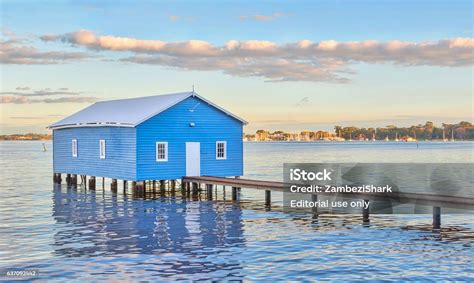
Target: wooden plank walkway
x=401, y=197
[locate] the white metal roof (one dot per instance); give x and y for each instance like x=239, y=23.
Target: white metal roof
x=127, y=112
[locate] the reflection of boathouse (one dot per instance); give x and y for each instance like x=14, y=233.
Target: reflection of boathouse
x=112, y=224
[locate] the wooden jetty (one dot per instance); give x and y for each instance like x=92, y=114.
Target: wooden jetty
x=436, y=201
x=192, y=185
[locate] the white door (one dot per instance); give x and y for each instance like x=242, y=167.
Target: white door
x=193, y=159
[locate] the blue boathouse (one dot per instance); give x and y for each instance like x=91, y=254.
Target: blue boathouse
x=163, y=137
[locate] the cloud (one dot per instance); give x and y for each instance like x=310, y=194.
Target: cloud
x=28, y=55
x=262, y=18
x=25, y=100
x=22, y=88
x=302, y=102
x=23, y=95
x=36, y=117
x=173, y=18
x=13, y=50
x=8, y=33
x=43, y=92
x=13, y=99
x=324, y=61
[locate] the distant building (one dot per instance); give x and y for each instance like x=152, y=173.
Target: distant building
x=161, y=137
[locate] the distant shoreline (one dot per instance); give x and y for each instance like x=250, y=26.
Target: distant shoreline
x=26, y=140
x=359, y=141
x=280, y=141
x=26, y=137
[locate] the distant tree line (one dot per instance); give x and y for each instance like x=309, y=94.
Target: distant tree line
x=25, y=137
x=428, y=131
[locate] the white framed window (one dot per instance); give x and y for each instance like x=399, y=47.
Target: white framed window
x=74, y=147
x=161, y=151
x=102, y=149
x=221, y=150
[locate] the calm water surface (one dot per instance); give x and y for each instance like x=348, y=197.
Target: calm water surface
x=83, y=235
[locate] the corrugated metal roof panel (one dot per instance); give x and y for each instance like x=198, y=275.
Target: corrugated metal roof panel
x=127, y=112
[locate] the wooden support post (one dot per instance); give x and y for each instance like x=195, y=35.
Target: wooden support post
x=74, y=180
x=125, y=184
x=154, y=185
x=268, y=198
x=314, y=198
x=366, y=213
x=195, y=189
x=436, y=217
x=103, y=182
x=209, y=191
x=57, y=178
x=234, y=193
x=223, y=191
x=113, y=185
x=68, y=179
x=173, y=187
x=92, y=182
x=162, y=185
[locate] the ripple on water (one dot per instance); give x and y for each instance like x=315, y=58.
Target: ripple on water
x=84, y=235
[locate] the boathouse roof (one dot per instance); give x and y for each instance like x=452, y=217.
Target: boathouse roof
x=128, y=112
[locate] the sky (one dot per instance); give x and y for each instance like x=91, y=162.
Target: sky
x=281, y=65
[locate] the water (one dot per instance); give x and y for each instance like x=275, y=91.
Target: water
x=83, y=235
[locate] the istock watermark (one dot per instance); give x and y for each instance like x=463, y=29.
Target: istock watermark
x=383, y=188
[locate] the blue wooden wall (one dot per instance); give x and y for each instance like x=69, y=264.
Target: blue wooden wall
x=120, y=158
x=172, y=126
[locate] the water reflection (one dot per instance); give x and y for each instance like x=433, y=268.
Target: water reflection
x=92, y=224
